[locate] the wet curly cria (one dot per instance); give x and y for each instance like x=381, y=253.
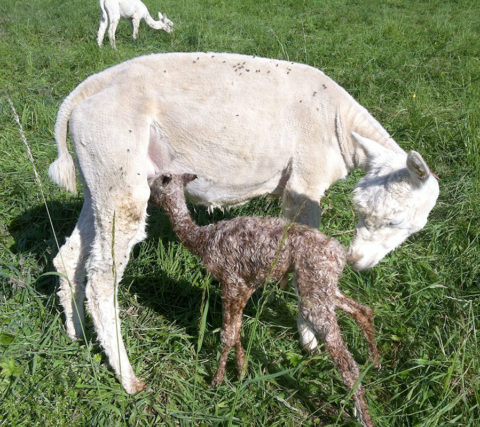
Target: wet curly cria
x=247, y=252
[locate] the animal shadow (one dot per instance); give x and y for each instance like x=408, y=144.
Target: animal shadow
x=175, y=300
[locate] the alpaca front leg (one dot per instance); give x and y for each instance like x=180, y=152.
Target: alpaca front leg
x=227, y=338
x=236, y=308
x=222, y=363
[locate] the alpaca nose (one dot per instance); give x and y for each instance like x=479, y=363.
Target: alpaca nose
x=359, y=261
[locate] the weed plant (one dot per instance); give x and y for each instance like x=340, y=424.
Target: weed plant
x=414, y=64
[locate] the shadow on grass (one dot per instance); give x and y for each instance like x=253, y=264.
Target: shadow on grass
x=175, y=300
x=33, y=235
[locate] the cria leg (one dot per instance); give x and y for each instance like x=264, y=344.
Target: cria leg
x=234, y=301
x=70, y=263
x=363, y=316
x=325, y=324
x=123, y=226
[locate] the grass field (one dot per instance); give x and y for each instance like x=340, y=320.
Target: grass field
x=414, y=64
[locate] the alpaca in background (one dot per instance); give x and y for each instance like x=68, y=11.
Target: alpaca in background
x=134, y=10
x=246, y=252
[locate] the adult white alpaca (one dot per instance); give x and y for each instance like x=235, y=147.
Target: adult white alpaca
x=134, y=10
x=246, y=126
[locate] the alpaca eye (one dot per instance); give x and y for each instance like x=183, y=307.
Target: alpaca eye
x=369, y=223
x=395, y=222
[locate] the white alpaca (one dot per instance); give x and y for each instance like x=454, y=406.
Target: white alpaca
x=246, y=126
x=135, y=10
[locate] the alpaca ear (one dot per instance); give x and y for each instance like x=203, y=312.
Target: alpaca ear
x=419, y=171
x=166, y=178
x=188, y=177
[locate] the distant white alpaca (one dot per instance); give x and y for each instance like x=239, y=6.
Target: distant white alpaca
x=135, y=10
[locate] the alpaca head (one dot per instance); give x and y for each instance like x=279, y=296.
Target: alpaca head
x=167, y=24
x=167, y=186
x=393, y=201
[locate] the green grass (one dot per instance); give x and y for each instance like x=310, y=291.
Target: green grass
x=414, y=64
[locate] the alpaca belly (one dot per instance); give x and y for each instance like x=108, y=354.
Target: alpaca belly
x=226, y=176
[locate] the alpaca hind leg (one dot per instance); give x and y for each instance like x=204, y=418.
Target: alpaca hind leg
x=70, y=263
x=117, y=230
x=363, y=316
x=112, y=30
x=102, y=27
x=135, y=22
x=113, y=11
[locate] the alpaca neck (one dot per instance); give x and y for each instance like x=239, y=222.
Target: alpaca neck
x=183, y=225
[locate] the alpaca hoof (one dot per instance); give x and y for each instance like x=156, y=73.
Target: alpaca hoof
x=310, y=345
x=73, y=333
x=217, y=379
x=307, y=337
x=135, y=386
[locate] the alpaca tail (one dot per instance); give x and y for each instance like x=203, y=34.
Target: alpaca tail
x=62, y=170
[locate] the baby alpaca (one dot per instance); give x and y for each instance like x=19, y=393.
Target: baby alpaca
x=245, y=252
x=135, y=10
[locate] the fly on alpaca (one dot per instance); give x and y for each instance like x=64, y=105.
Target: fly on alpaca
x=135, y=10
x=245, y=252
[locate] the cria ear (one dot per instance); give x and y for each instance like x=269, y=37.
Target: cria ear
x=373, y=149
x=166, y=178
x=188, y=177
x=417, y=167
